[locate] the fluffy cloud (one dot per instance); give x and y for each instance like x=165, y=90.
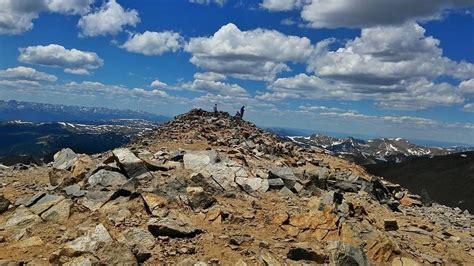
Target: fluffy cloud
x=369, y=13
x=417, y=95
x=468, y=107
x=209, y=76
x=207, y=2
x=467, y=87
x=212, y=86
x=111, y=18
x=258, y=54
x=26, y=73
x=16, y=16
x=283, y=5
x=69, y=6
x=397, y=67
x=73, y=61
x=153, y=43
x=158, y=84
x=387, y=56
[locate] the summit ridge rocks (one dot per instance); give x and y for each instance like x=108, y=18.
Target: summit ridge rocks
x=209, y=189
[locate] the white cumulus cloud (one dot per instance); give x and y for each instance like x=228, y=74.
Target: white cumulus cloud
x=258, y=54
x=111, y=18
x=153, y=43
x=158, y=84
x=16, y=16
x=26, y=73
x=72, y=60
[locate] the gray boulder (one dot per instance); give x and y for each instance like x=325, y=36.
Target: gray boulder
x=107, y=179
x=89, y=242
x=345, y=254
x=64, y=159
x=131, y=165
x=173, y=225
x=44, y=203
x=284, y=173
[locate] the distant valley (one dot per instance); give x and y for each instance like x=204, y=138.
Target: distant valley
x=32, y=142
x=33, y=132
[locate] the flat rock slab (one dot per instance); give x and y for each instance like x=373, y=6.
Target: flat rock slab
x=32, y=200
x=93, y=200
x=173, y=226
x=64, y=159
x=21, y=218
x=197, y=160
x=137, y=236
x=90, y=241
x=282, y=172
x=107, y=179
x=74, y=190
x=45, y=203
x=131, y=164
x=59, y=212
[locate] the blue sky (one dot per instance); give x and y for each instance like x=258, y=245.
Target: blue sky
x=398, y=69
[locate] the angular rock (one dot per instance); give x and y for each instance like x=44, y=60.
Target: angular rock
x=59, y=212
x=45, y=203
x=131, y=164
x=254, y=183
x=21, y=218
x=64, y=158
x=116, y=254
x=4, y=203
x=81, y=165
x=285, y=173
x=89, y=242
x=238, y=240
x=196, y=160
x=276, y=183
x=58, y=177
x=107, y=179
x=173, y=225
x=137, y=236
x=201, y=200
x=74, y=191
x=330, y=199
x=93, y=200
x=154, y=201
x=345, y=254
x=177, y=156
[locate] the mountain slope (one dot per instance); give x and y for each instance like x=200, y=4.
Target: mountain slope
x=25, y=142
x=448, y=179
x=211, y=189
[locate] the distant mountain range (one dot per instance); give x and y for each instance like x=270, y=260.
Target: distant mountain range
x=42, y=112
x=32, y=142
x=373, y=151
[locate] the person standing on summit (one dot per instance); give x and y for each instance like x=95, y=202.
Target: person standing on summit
x=242, y=110
x=215, y=109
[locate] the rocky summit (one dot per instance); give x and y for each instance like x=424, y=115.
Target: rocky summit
x=210, y=189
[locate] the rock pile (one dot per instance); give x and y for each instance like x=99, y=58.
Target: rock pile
x=210, y=189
